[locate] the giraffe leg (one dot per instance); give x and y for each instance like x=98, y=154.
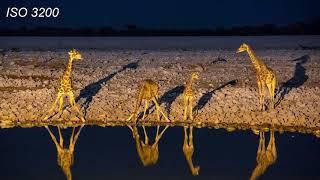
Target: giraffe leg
x=60, y=137
x=263, y=96
x=271, y=94
x=130, y=117
x=71, y=137
x=260, y=139
x=76, y=136
x=273, y=144
x=74, y=106
x=273, y=90
x=191, y=135
x=60, y=106
x=52, y=137
x=161, y=134
x=263, y=142
x=133, y=116
x=159, y=109
x=185, y=108
x=134, y=131
x=130, y=127
x=260, y=146
x=61, y=103
x=146, y=105
x=146, y=138
x=157, y=133
x=190, y=108
x=260, y=93
x=53, y=106
x=185, y=142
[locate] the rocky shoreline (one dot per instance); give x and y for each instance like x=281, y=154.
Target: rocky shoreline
x=106, y=81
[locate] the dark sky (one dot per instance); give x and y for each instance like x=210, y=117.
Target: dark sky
x=166, y=13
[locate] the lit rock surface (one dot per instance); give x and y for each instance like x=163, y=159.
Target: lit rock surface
x=106, y=81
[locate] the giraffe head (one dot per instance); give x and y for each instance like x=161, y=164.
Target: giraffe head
x=243, y=47
x=195, y=171
x=65, y=161
x=194, y=75
x=75, y=55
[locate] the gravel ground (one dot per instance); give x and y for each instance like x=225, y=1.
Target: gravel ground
x=106, y=81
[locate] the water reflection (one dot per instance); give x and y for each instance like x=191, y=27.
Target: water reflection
x=65, y=154
x=188, y=149
x=148, y=153
x=217, y=153
x=265, y=157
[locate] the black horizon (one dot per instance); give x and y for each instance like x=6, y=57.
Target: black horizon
x=312, y=28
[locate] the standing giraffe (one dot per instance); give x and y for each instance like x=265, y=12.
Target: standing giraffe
x=65, y=156
x=188, y=150
x=188, y=94
x=265, y=76
x=149, y=154
x=148, y=91
x=65, y=88
x=265, y=157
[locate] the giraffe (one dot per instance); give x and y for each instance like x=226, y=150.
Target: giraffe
x=65, y=156
x=65, y=88
x=188, y=150
x=148, y=91
x=149, y=154
x=265, y=157
x=188, y=94
x=265, y=76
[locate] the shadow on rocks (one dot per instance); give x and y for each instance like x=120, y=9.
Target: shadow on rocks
x=207, y=96
x=298, y=79
x=92, y=89
x=170, y=96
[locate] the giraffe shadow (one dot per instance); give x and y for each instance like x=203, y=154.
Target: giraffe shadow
x=208, y=95
x=219, y=60
x=88, y=92
x=298, y=79
x=170, y=96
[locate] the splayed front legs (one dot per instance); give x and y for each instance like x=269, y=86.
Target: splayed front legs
x=134, y=116
x=59, y=99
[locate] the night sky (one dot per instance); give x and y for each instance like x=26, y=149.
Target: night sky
x=192, y=14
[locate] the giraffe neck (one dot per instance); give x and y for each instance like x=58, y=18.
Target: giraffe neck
x=255, y=60
x=68, y=70
x=188, y=156
x=189, y=83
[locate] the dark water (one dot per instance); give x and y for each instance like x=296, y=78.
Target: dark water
x=110, y=153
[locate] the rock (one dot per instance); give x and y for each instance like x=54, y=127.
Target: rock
x=179, y=67
x=46, y=82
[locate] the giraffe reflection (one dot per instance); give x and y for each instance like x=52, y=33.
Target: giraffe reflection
x=188, y=150
x=65, y=154
x=148, y=153
x=265, y=157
